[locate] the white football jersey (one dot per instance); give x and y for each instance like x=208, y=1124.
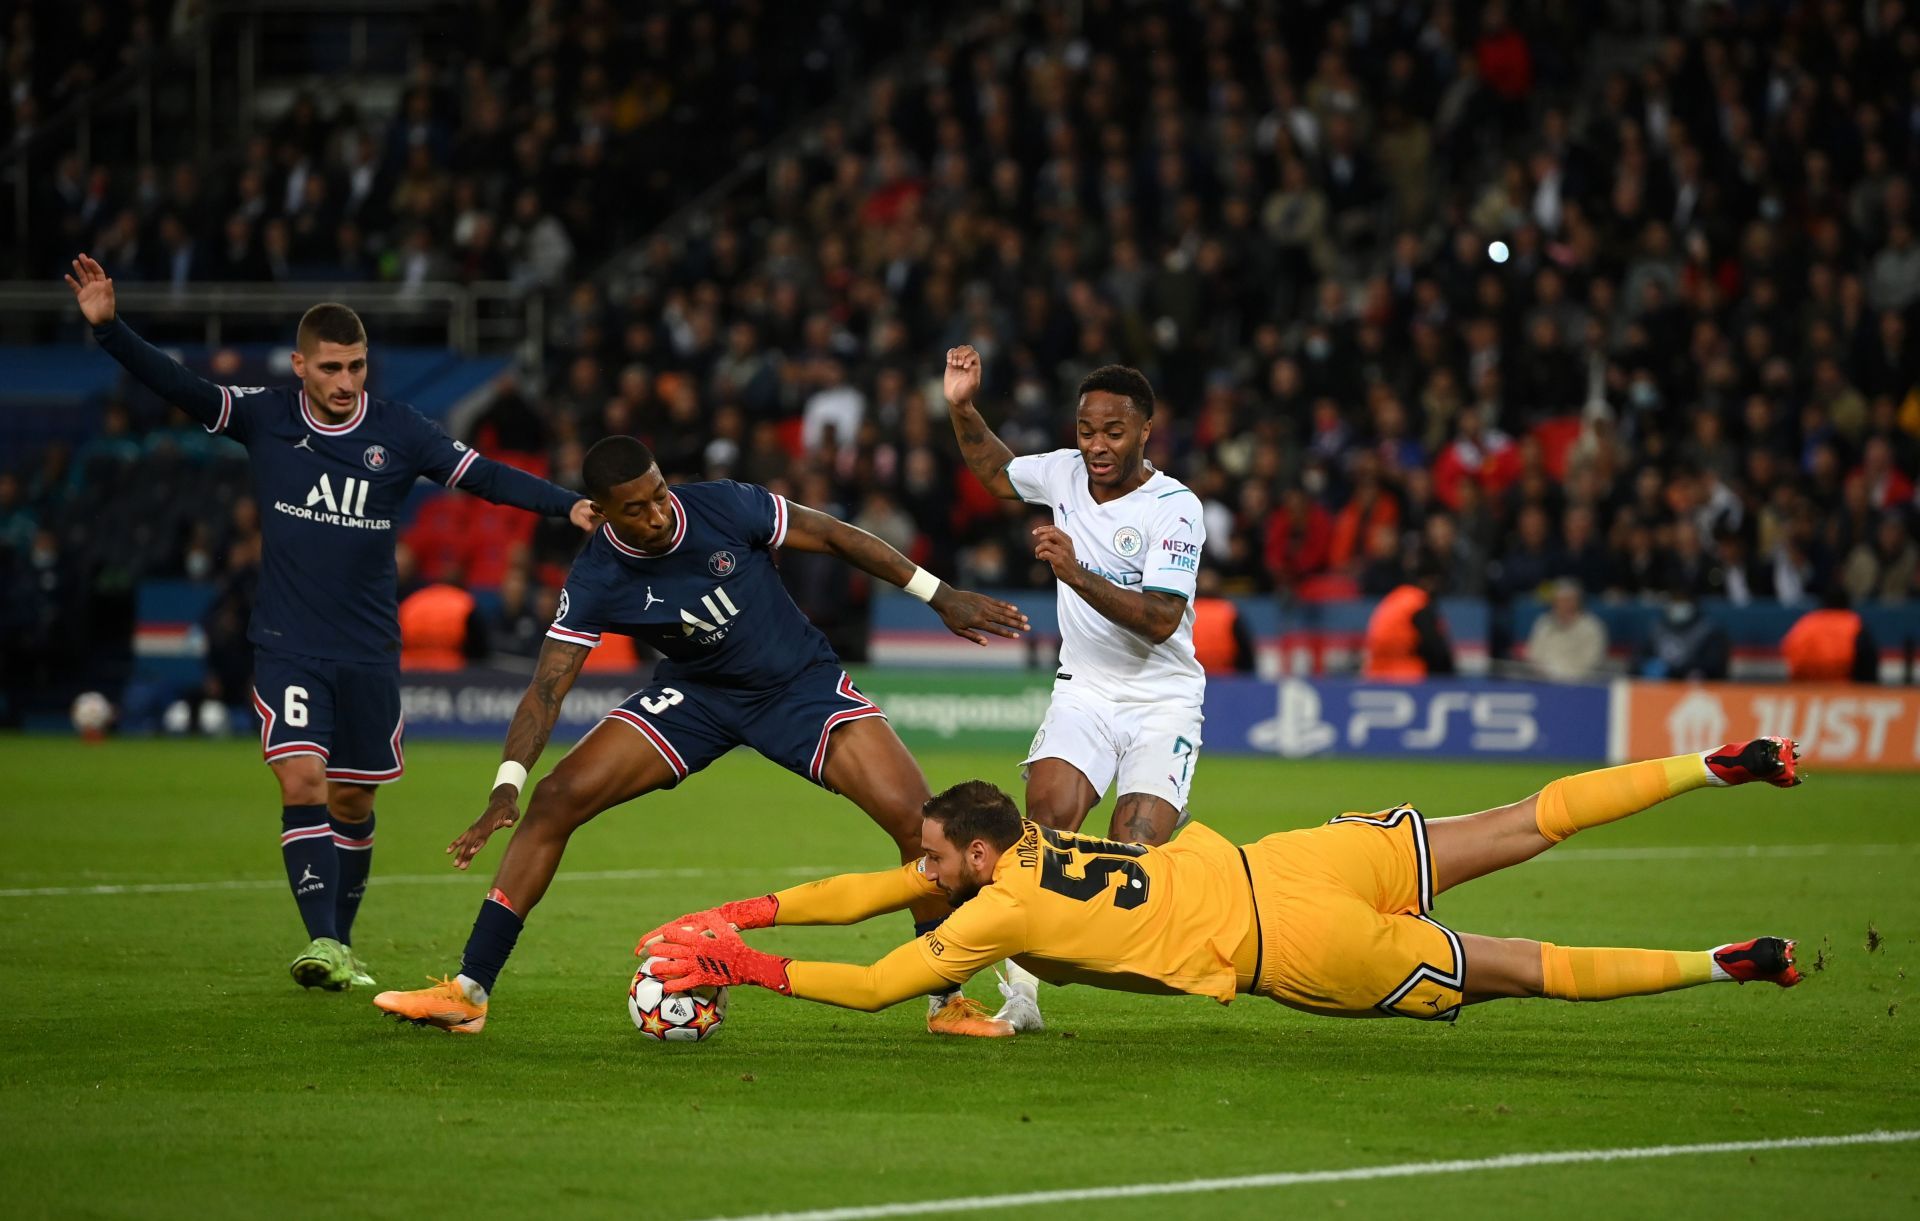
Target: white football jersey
x=1148, y=539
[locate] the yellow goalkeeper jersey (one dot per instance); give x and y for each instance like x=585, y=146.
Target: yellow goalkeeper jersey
x=1075, y=909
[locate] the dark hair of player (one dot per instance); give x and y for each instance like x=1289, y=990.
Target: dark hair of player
x=613, y=461
x=329, y=322
x=1129, y=384
x=975, y=809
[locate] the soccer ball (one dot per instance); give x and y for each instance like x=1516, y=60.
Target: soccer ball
x=178, y=718
x=92, y=714
x=674, y=1017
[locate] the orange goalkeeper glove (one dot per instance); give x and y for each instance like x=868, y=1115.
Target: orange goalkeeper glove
x=712, y=954
x=741, y=913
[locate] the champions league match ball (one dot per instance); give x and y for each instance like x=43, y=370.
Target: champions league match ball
x=674, y=1017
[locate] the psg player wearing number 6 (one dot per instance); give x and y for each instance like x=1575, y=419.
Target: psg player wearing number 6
x=689, y=570
x=1331, y=920
x=331, y=467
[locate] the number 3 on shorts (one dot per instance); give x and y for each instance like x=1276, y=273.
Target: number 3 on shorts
x=657, y=704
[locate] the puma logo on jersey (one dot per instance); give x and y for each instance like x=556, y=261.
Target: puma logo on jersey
x=720, y=612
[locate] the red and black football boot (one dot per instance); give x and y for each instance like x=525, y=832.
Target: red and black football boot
x=1774, y=760
x=1767, y=960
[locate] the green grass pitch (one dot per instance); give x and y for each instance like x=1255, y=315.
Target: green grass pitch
x=157, y=1062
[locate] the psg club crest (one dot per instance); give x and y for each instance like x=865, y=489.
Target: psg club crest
x=1127, y=540
x=720, y=563
x=375, y=457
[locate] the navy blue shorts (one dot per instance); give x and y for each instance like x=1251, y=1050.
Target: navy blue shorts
x=344, y=713
x=692, y=724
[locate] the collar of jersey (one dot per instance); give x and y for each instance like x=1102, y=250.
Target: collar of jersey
x=333, y=430
x=679, y=532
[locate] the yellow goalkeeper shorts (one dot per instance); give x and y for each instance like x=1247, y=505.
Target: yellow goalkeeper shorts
x=1343, y=920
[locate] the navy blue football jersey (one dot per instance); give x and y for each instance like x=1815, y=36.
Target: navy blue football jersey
x=711, y=603
x=329, y=495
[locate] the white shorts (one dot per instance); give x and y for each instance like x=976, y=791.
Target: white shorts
x=1145, y=748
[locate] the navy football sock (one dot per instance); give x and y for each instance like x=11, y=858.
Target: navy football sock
x=495, y=930
x=353, y=849
x=306, y=842
x=920, y=929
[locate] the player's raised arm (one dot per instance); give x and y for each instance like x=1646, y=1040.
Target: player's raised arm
x=987, y=455
x=92, y=289
x=527, y=736
x=967, y=615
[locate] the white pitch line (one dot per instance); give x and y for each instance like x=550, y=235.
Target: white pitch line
x=1402, y=1170
x=1566, y=856
x=411, y=879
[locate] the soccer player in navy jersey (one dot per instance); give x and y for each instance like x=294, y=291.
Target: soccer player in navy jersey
x=331, y=467
x=689, y=570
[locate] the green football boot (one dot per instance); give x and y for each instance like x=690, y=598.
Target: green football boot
x=358, y=973
x=325, y=963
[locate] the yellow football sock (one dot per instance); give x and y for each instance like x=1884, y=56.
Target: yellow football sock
x=1574, y=803
x=1575, y=974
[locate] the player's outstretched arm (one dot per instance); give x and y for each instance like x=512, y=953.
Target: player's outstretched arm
x=1152, y=613
x=967, y=615
x=527, y=736
x=152, y=368
x=507, y=485
x=847, y=898
x=712, y=955
x=986, y=454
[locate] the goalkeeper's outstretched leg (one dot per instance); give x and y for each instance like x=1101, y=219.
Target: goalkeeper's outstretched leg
x=1479, y=844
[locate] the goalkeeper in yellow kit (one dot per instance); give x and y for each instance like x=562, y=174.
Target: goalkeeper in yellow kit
x=1331, y=919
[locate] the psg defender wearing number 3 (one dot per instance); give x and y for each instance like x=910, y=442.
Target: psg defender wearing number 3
x=331, y=467
x=1331, y=919
x=689, y=570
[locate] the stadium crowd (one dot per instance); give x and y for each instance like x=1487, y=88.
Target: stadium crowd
x=1521, y=295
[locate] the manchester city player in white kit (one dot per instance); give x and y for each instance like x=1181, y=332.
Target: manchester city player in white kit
x=1125, y=549
x=1125, y=553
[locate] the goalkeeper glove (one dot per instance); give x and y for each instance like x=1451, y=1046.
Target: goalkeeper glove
x=741, y=913
x=712, y=954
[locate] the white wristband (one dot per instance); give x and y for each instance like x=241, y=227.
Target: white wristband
x=923, y=585
x=510, y=773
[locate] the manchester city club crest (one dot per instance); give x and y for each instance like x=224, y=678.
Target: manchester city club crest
x=720, y=563
x=375, y=457
x=1126, y=541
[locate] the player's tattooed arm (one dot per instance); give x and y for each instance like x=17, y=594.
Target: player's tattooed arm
x=966, y=614
x=1151, y=613
x=987, y=455
x=539, y=709
x=533, y=723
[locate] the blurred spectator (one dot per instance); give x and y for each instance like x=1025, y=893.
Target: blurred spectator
x=1221, y=639
x=516, y=626
x=1685, y=644
x=1568, y=643
x=1884, y=568
x=440, y=627
x=1831, y=644
x=1406, y=640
